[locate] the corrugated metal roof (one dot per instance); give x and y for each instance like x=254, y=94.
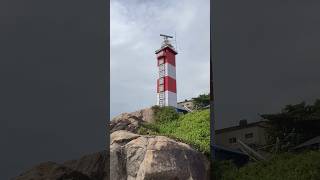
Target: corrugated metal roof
x=233, y=128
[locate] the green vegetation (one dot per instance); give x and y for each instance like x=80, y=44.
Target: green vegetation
x=201, y=101
x=192, y=128
x=304, y=166
x=294, y=125
x=164, y=114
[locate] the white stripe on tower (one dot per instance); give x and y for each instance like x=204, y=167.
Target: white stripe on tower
x=170, y=70
x=171, y=99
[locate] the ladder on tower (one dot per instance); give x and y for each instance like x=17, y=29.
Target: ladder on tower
x=161, y=99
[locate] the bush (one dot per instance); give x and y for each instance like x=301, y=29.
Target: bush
x=150, y=129
x=304, y=166
x=223, y=170
x=164, y=114
x=192, y=128
x=201, y=101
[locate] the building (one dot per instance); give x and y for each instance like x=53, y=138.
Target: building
x=252, y=134
x=187, y=104
x=166, y=82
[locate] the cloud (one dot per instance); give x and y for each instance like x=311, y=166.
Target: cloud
x=135, y=28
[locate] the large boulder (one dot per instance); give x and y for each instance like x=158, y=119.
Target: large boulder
x=145, y=115
x=139, y=157
x=131, y=121
x=93, y=165
x=89, y=167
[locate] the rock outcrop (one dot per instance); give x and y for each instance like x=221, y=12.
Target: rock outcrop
x=132, y=157
x=138, y=157
x=131, y=121
x=93, y=165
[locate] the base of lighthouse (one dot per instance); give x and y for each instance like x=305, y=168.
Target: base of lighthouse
x=167, y=98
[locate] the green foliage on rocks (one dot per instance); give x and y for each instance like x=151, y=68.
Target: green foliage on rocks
x=201, y=101
x=165, y=114
x=191, y=128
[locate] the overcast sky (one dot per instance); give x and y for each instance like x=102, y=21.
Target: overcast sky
x=135, y=28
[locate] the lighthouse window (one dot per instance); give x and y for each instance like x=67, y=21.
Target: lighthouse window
x=161, y=81
x=161, y=88
x=161, y=61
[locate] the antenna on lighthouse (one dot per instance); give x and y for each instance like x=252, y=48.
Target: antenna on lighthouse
x=175, y=41
x=166, y=41
x=165, y=36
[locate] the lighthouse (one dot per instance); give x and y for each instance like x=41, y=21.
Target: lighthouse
x=166, y=82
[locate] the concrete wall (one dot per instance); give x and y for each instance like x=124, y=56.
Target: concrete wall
x=258, y=138
x=189, y=104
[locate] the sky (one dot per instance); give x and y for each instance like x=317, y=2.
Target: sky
x=135, y=28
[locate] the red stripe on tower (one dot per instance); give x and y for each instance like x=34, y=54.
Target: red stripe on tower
x=169, y=84
x=167, y=56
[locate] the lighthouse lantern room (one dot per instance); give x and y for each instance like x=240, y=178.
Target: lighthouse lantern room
x=166, y=82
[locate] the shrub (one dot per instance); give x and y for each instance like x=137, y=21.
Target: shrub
x=304, y=166
x=223, y=170
x=164, y=114
x=192, y=128
x=147, y=128
x=201, y=101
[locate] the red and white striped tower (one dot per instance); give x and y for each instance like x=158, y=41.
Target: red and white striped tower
x=166, y=82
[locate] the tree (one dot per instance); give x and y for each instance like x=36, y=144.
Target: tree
x=201, y=101
x=294, y=124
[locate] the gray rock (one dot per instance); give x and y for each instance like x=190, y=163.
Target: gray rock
x=117, y=163
x=155, y=158
x=131, y=121
x=122, y=136
x=135, y=152
x=92, y=165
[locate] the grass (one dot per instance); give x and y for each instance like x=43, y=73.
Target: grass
x=304, y=166
x=192, y=128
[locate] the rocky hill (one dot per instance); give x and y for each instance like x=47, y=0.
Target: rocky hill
x=131, y=121
x=132, y=157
